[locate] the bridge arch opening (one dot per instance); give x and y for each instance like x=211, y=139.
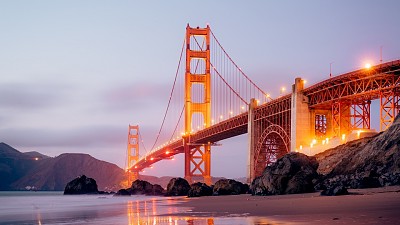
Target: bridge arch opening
x=272, y=145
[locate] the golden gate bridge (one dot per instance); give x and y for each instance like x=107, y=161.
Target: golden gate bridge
x=217, y=101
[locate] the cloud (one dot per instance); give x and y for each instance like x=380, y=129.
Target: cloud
x=27, y=96
x=74, y=137
x=135, y=95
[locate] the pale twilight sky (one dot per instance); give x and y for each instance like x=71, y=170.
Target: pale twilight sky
x=74, y=74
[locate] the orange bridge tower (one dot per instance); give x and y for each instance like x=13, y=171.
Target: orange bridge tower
x=132, y=152
x=197, y=157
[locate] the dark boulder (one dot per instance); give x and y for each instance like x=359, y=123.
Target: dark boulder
x=140, y=187
x=229, y=187
x=335, y=191
x=158, y=190
x=199, y=189
x=81, y=185
x=177, y=187
x=291, y=174
x=122, y=192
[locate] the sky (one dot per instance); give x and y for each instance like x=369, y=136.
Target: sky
x=74, y=74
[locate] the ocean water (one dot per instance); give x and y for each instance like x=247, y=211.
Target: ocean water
x=56, y=208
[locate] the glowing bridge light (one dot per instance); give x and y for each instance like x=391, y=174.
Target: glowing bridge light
x=314, y=141
x=221, y=117
x=343, y=137
x=151, y=158
x=367, y=66
x=167, y=152
x=242, y=107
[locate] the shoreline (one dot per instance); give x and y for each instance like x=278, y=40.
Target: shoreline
x=372, y=206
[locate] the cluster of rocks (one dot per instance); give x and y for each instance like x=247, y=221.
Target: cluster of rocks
x=181, y=187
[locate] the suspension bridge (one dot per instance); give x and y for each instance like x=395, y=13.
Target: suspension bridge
x=217, y=101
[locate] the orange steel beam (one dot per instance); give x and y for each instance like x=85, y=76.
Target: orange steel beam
x=197, y=158
x=360, y=84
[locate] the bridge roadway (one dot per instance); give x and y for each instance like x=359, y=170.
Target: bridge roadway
x=360, y=84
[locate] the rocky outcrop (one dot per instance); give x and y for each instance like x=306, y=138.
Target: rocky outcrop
x=122, y=192
x=81, y=185
x=141, y=187
x=229, y=187
x=199, y=189
x=335, y=190
x=365, y=163
x=291, y=174
x=158, y=190
x=177, y=187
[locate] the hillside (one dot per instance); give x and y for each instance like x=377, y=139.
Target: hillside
x=55, y=173
x=375, y=160
x=13, y=165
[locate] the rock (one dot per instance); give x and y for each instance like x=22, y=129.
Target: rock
x=122, y=192
x=81, y=185
x=140, y=187
x=158, y=190
x=335, y=191
x=364, y=163
x=177, y=187
x=199, y=189
x=291, y=174
x=229, y=187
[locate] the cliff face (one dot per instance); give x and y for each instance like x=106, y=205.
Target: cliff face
x=378, y=155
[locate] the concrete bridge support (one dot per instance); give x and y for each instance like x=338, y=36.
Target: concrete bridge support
x=251, y=173
x=300, y=122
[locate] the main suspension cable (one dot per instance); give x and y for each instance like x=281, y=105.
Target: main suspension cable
x=170, y=96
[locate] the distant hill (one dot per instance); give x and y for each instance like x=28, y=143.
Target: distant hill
x=19, y=170
x=13, y=165
x=55, y=173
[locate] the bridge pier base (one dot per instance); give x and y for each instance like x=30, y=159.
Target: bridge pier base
x=197, y=162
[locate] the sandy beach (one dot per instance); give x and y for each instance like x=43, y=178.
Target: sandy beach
x=362, y=206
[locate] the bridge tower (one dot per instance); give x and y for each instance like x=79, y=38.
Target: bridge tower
x=132, y=153
x=197, y=157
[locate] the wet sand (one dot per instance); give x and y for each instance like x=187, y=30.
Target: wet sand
x=362, y=206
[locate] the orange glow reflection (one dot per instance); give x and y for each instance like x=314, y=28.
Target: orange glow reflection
x=145, y=213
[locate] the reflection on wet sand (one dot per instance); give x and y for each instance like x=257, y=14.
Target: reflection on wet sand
x=145, y=212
